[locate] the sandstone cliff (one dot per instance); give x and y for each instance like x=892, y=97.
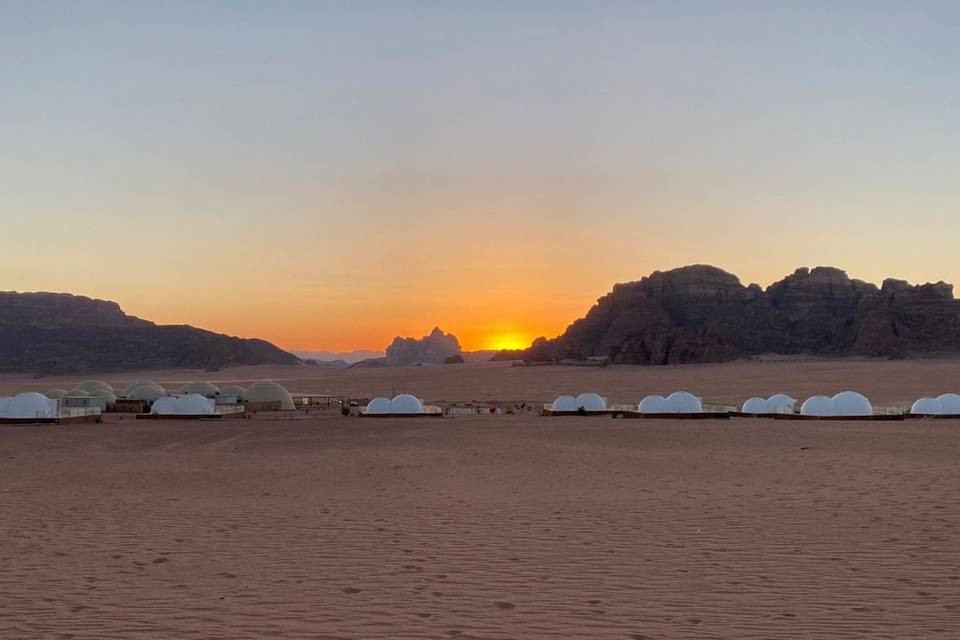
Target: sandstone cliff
x=704, y=314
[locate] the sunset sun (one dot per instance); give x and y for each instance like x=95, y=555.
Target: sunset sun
x=508, y=341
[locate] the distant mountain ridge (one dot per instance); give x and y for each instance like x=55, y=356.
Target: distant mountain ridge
x=348, y=357
x=64, y=333
x=701, y=313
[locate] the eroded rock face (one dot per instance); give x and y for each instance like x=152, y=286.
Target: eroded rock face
x=704, y=314
x=58, y=310
x=61, y=333
x=432, y=349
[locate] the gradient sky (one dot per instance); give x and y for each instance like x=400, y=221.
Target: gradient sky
x=329, y=175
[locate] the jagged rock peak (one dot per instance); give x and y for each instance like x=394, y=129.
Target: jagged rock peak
x=434, y=348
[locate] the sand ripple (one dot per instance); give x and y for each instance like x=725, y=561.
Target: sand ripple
x=480, y=528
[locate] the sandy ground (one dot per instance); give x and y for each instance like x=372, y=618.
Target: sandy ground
x=481, y=527
x=490, y=526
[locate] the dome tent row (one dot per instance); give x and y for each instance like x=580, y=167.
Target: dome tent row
x=947, y=404
x=150, y=391
x=777, y=403
x=191, y=404
x=589, y=402
x=28, y=404
x=844, y=404
x=676, y=402
x=402, y=404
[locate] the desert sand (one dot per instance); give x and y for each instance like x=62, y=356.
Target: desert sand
x=320, y=526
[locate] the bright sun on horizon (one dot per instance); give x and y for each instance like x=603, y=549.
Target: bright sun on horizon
x=508, y=341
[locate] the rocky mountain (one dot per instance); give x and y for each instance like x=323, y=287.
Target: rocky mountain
x=431, y=349
x=704, y=314
x=63, y=333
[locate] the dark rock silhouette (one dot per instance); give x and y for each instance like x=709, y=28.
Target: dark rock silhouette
x=63, y=333
x=704, y=314
x=432, y=349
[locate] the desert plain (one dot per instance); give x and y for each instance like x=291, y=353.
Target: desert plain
x=315, y=525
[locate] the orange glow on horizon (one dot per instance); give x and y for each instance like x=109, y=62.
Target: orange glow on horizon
x=508, y=341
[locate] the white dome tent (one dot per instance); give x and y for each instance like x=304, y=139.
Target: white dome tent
x=653, y=404
x=378, y=406
x=819, y=406
x=927, y=407
x=851, y=403
x=57, y=394
x=584, y=403
x=777, y=403
x=591, y=402
x=781, y=402
x=756, y=406
x=679, y=402
x=402, y=404
x=683, y=402
x=29, y=404
x=947, y=404
x=191, y=404
x=406, y=404
x=846, y=404
x=564, y=403
x=950, y=403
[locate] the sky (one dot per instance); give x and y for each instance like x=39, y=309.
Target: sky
x=327, y=175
